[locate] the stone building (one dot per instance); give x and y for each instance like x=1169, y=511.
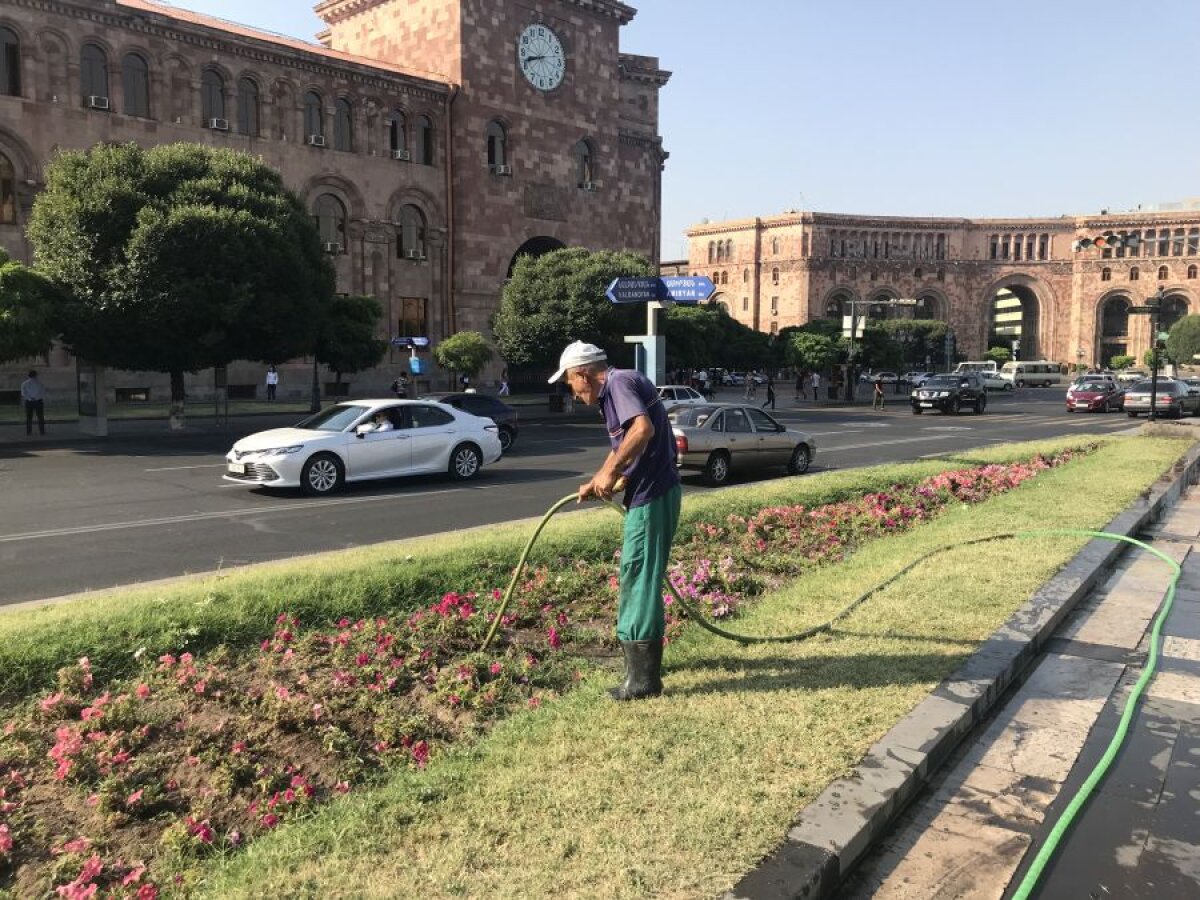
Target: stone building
x=995, y=281
x=433, y=140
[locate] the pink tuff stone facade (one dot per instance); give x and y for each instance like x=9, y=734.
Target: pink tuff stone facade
x=446, y=69
x=1021, y=279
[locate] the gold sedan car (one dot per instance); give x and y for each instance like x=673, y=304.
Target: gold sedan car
x=717, y=439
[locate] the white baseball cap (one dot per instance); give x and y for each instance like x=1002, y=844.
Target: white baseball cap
x=577, y=354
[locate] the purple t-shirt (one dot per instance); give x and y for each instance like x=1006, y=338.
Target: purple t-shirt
x=626, y=395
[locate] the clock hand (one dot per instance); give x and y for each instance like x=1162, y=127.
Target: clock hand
x=530, y=59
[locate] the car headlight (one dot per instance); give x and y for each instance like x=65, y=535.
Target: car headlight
x=943, y=393
x=281, y=451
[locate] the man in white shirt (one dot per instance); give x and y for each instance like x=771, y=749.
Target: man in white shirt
x=272, y=382
x=816, y=387
x=35, y=402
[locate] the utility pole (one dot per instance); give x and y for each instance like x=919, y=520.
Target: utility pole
x=1153, y=309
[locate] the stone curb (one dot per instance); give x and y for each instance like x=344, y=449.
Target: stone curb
x=833, y=833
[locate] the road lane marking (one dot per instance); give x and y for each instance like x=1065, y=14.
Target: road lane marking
x=914, y=440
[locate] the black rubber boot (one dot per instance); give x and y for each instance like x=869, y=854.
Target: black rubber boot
x=643, y=671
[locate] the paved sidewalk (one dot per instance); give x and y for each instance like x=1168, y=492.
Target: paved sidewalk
x=978, y=829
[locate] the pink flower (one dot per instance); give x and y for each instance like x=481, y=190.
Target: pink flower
x=420, y=753
x=147, y=892
x=134, y=875
x=496, y=668
x=142, y=691
x=134, y=797
x=239, y=746
x=535, y=702
x=200, y=687
x=52, y=701
x=6, y=841
x=270, y=820
x=553, y=639
x=166, y=661
x=342, y=787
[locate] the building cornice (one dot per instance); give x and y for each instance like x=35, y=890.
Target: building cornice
x=335, y=11
x=642, y=70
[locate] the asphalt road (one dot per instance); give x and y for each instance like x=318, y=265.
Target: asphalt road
x=96, y=515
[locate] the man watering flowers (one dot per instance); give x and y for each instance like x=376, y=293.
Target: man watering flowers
x=643, y=454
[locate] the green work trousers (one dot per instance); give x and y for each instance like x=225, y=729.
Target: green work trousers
x=649, y=531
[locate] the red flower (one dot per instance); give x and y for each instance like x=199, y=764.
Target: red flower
x=142, y=691
x=420, y=753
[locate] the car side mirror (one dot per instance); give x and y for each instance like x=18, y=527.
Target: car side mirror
x=363, y=430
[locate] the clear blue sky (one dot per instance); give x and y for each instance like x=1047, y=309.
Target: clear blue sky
x=924, y=108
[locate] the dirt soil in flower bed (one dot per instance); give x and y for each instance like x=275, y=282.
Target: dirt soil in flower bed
x=121, y=789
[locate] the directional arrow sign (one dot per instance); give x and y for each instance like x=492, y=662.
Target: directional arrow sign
x=684, y=289
x=634, y=290
x=687, y=289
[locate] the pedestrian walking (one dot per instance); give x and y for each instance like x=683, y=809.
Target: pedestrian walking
x=400, y=387
x=770, y=401
x=272, y=382
x=800, y=395
x=815, y=383
x=503, y=392
x=643, y=454
x=878, y=401
x=34, y=396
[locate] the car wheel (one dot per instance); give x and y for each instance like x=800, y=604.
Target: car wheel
x=801, y=458
x=980, y=406
x=465, y=462
x=1132, y=415
x=956, y=406
x=917, y=410
x=506, y=439
x=716, y=470
x=322, y=474
x=1021, y=383
x=1008, y=386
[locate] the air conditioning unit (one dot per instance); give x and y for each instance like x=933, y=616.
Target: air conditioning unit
x=98, y=102
x=414, y=254
x=316, y=140
x=402, y=155
x=592, y=186
x=503, y=170
x=332, y=248
x=218, y=124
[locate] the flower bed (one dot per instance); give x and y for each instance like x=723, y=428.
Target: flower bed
x=109, y=789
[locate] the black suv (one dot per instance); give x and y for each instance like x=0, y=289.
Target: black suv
x=950, y=394
x=487, y=407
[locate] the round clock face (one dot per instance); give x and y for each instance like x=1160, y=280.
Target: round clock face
x=541, y=58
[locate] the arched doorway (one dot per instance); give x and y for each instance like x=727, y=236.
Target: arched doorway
x=1174, y=308
x=880, y=312
x=929, y=306
x=837, y=305
x=1114, y=329
x=1013, y=321
x=535, y=246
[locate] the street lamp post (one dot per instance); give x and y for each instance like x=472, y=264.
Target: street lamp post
x=1079, y=360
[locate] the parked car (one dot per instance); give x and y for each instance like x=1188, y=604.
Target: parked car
x=718, y=439
x=884, y=377
x=1130, y=376
x=993, y=382
x=1095, y=393
x=1174, y=399
x=951, y=394
x=732, y=379
x=486, y=407
x=343, y=443
x=674, y=394
x=916, y=379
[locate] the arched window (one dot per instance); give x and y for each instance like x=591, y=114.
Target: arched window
x=1106, y=274
x=775, y=275
x=343, y=125
x=745, y=304
x=212, y=97
x=712, y=251
x=1114, y=320
x=1162, y=273
x=8, y=192
x=775, y=246
x=585, y=175
x=135, y=83
x=412, y=233
x=724, y=278
x=398, y=135
x=745, y=276
x=93, y=76
x=314, y=119
x=330, y=216
x=729, y=249
x=1134, y=273
x=425, y=140
x=497, y=151
x=1173, y=309
x=1191, y=271
x=248, y=123
x=10, y=65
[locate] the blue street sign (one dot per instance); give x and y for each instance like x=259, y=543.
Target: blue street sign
x=687, y=289
x=410, y=342
x=674, y=289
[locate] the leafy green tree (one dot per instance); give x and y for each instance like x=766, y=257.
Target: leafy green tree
x=919, y=339
x=466, y=352
x=177, y=258
x=1154, y=359
x=346, y=341
x=558, y=297
x=1183, y=341
x=27, y=304
x=1000, y=355
x=1121, y=362
x=693, y=336
x=811, y=352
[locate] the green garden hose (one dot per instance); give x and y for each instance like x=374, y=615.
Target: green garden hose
x=1047, y=850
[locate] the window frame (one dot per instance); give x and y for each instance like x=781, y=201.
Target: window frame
x=343, y=125
x=10, y=62
x=212, y=96
x=93, y=72
x=133, y=92
x=249, y=107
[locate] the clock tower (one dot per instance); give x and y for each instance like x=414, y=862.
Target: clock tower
x=550, y=138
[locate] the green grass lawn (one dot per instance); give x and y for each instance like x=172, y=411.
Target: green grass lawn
x=681, y=795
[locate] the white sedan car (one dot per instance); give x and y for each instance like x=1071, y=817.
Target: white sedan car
x=363, y=439
x=674, y=394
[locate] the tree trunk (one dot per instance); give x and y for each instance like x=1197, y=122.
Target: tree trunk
x=177, y=397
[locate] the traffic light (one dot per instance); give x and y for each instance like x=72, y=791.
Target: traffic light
x=1109, y=240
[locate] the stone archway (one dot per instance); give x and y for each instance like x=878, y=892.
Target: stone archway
x=1113, y=314
x=535, y=246
x=1018, y=309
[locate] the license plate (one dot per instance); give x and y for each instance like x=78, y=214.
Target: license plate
x=927, y=405
x=1081, y=404
x=237, y=468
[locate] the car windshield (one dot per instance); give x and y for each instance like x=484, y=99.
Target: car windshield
x=1144, y=387
x=1092, y=385
x=943, y=381
x=335, y=418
